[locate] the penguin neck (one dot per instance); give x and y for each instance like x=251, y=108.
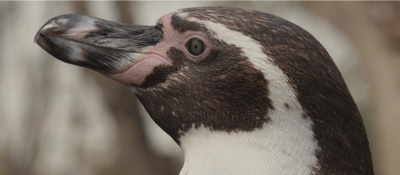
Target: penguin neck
x=285, y=145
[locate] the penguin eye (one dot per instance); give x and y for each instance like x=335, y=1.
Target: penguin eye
x=195, y=46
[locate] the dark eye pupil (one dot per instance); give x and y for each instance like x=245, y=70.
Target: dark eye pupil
x=195, y=46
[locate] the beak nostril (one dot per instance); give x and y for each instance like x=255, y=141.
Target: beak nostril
x=101, y=33
x=57, y=31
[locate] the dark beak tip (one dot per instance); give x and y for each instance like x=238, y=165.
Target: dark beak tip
x=45, y=28
x=37, y=36
x=59, y=24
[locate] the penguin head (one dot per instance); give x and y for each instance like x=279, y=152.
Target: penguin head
x=221, y=68
x=185, y=74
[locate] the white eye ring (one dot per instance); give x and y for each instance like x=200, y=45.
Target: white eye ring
x=202, y=49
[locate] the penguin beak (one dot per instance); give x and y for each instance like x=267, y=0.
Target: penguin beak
x=105, y=46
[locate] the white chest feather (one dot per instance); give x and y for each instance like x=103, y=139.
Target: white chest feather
x=280, y=147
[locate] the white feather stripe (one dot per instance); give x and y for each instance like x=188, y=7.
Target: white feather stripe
x=285, y=145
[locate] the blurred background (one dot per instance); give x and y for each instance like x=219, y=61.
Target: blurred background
x=58, y=119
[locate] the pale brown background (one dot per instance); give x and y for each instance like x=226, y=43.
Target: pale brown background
x=57, y=119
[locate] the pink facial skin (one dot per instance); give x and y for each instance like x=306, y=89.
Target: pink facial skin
x=136, y=73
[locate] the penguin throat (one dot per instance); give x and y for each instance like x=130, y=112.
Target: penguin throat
x=280, y=147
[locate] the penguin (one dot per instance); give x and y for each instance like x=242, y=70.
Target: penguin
x=240, y=91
